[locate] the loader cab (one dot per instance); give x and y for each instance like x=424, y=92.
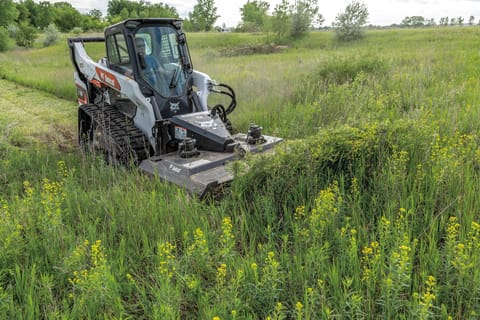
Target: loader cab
x=154, y=53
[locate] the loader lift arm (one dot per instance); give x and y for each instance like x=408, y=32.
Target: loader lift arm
x=71, y=47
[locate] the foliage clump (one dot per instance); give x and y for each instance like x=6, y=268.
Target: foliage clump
x=338, y=71
x=203, y=16
x=305, y=14
x=26, y=35
x=12, y=30
x=254, y=16
x=77, y=31
x=293, y=21
x=336, y=151
x=51, y=35
x=348, y=24
x=3, y=39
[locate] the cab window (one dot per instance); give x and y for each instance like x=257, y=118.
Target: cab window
x=117, y=52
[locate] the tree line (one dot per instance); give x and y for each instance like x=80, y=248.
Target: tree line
x=23, y=19
x=65, y=17
x=419, y=21
x=287, y=20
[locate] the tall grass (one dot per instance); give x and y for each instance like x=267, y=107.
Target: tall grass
x=368, y=210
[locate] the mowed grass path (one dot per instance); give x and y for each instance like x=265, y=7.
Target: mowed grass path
x=29, y=116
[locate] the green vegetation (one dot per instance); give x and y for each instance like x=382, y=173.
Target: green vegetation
x=348, y=24
x=51, y=35
x=122, y=9
x=368, y=210
x=25, y=36
x=3, y=39
x=203, y=16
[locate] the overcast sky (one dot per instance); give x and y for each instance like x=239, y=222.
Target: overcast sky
x=382, y=12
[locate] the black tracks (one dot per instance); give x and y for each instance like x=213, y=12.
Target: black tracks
x=122, y=141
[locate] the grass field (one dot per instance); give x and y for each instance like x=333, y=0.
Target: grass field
x=368, y=210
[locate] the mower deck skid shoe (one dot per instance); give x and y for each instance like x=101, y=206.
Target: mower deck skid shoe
x=203, y=173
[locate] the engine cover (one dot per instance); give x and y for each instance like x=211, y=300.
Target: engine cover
x=209, y=131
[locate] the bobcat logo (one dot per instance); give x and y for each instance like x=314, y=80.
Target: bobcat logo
x=174, y=106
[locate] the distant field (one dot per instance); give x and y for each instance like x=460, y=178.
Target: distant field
x=370, y=208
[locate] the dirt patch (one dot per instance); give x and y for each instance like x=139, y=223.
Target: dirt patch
x=252, y=49
x=61, y=136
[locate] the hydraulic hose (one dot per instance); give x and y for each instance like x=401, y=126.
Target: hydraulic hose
x=230, y=93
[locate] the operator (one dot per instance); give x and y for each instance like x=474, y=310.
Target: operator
x=149, y=73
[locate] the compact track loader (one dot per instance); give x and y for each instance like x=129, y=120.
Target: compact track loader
x=145, y=104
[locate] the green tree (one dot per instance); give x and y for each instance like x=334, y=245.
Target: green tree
x=204, y=15
x=304, y=15
x=115, y=7
x=95, y=14
x=123, y=9
x=23, y=12
x=430, y=22
x=187, y=25
x=51, y=35
x=124, y=14
x=254, y=15
x=281, y=19
x=161, y=10
x=8, y=12
x=45, y=14
x=66, y=16
x=413, y=21
x=3, y=39
x=471, y=20
x=26, y=35
x=92, y=20
x=348, y=24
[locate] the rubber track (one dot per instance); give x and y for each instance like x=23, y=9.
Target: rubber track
x=129, y=141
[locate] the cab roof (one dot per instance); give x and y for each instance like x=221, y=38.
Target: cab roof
x=133, y=23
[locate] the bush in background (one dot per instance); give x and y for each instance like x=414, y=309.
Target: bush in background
x=348, y=24
x=77, y=31
x=26, y=35
x=3, y=39
x=12, y=30
x=51, y=35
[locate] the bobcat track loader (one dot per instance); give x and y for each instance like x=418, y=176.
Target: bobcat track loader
x=145, y=104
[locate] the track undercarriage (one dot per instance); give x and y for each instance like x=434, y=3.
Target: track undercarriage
x=108, y=132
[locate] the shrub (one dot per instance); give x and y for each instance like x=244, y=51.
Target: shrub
x=301, y=167
x=3, y=39
x=338, y=71
x=12, y=30
x=348, y=24
x=76, y=31
x=26, y=35
x=51, y=35
x=342, y=70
